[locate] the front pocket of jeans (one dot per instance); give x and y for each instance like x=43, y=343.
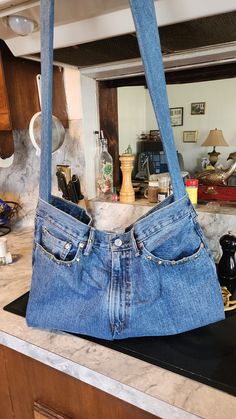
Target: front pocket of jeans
x=151, y=257
x=59, y=247
x=53, y=258
x=176, y=243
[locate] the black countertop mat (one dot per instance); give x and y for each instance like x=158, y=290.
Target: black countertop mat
x=207, y=355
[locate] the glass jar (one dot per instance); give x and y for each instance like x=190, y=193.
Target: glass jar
x=163, y=188
x=151, y=192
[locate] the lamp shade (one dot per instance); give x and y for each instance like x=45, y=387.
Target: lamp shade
x=215, y=138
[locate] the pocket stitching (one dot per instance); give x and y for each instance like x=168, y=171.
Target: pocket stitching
x=56, y=241
x=160, y=261
x=66, y=263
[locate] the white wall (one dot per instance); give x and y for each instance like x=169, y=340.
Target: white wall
x=131, y=115
x=136, y=115
x=220, y=98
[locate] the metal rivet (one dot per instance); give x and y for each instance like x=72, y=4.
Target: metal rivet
x=118, y=242
x=149, y=257
x=67, y=245
x=159, y=262
x=81, y=245
x=90, y=240
x=202, y=245
x=77, y=259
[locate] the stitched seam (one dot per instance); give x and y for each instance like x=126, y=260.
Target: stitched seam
x=162, y=227
x=50, y=256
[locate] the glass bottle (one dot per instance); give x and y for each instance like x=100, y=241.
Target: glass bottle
x=105, y=175
x=97, y=158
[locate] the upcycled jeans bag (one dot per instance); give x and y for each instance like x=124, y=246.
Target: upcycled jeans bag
x=156, y=278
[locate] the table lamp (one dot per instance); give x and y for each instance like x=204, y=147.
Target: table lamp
x=216, y=139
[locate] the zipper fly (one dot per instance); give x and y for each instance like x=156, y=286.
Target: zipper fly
x=120, y=290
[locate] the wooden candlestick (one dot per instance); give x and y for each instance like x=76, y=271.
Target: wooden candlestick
x=127, y=192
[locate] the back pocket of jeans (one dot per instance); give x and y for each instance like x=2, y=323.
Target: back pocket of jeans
x=57, y=245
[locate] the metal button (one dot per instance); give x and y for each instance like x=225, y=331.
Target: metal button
x=118, y=242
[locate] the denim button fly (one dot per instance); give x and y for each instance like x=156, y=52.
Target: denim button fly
x=118, y=242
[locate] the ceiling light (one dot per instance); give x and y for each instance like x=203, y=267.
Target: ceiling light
x=21, y=25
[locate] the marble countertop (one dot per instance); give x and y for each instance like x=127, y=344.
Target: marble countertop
x=215, y=207
x=146, y=386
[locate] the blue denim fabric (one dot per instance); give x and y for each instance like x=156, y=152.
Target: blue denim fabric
x=158, y=277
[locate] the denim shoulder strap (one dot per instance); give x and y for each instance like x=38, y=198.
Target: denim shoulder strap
x=149, y=44
x=46, y=30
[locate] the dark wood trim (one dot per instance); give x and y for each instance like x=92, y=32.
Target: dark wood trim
x=193, y=75
x=108, y=115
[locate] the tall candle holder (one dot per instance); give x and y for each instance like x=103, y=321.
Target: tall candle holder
x=127, y=194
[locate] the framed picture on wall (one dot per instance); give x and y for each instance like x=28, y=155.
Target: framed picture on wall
x=190, y=136
x=198, y=108
x=176, y=116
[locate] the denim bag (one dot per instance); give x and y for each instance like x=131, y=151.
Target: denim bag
x=158, y=276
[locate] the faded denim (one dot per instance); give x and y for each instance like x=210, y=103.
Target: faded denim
x=156, y=278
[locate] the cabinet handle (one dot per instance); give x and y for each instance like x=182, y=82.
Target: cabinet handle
x=41, y=411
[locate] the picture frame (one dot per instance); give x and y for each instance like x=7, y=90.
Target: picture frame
x=190, y=136
x=198, y=108
x=176, y=116
x=154, y=135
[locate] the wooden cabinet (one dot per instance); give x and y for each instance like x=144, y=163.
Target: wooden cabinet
x=30, y=389
x=5, y=120
x=19, y=96
x=6, y=136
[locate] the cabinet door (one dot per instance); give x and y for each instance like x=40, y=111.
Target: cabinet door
x=21, y=86
x=6, y=136
x=31, y=381
x=5, y=121
x=6, y=411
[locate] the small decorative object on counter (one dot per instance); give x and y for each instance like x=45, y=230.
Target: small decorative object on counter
x=8, y=213
x=192, y=188
x=151, y=193
x=128, y=150
x=105, y=171
x=127, y=194
x=5, y=256
x=163, y=187
x=217, y=176
x=227, y=263
x=115, y=196
x=228, y=303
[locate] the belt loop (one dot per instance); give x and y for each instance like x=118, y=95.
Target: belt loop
x=90, y=241
x=136, y=249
